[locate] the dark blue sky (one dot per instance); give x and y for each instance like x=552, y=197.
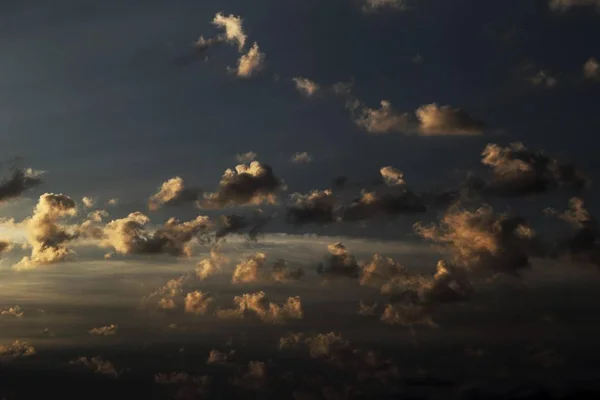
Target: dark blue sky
x=92, y=93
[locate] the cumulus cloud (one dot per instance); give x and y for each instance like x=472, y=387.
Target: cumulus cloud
x=219, y=357
x=230, y=224
x=88, y=202
x=564, y=5
x=233, y=25
x=518, y=171
x=202, y=44
x=251, y=184
x=171, y=193
x=198, y=303
x=15, y=311
x=392, y=176
x=392, y=201
x=582, y=245
x=301, y=158
x=18, y=183
x=254, y=378
x=109, y=330
x=407, y=315
x=210, y=266
x=16, y=350
x=306, y=86
x=445, y=120
x=5, y=246
x=249, y=269
x=246, y=157
x=385, y=119
x=543, y=78
x=251, y=62
x=46, y=235
x=483, y=239
x=165, y=297
x=314, y=207
x=321, y=345
x=98, y=365
x=366, y=310
x=130, y=235
x=338, y=263
x=259, y=305
x=591, y=69
x=281, y=272
x=431, y=120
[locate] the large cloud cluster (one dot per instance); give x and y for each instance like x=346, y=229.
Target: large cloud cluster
x=251, y=184
x=252, y=269
x=130, y=235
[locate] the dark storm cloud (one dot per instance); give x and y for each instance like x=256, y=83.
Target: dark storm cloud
x=19, y=182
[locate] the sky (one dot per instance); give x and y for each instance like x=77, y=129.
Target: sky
x=157, y=150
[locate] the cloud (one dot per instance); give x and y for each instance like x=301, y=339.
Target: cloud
x=251, y=62
x=366, y=310
x=306, y=86
x=45, y=235
x=582, y=245
x=129, y=235
x=203, y=44
x=563, y=5
x=234, y=31
x=254, y=378
x=88, y=202
x=314, y=207
x=338, y=263
x=392, y=176
x=249, y=269
x=518, y=171
x=5, y=246
x=322, y=345
x=210, y=266
x=198, y=303
x=165, y=296
x=301, y=158
x=246, y=157
x=281, y=272
x=231, y=224
x=373, y=5
x=113, y=202
x=392, y=201
x=542, y=78
x=109, y=330
x=15, y=311
x=432, y=120
x=20, y=181
x=483, y=239
x=218, y=357
x=251, y=184
x=591, y=68
x=445, y=120
x=16, y=350
x=383, y=120
x=98, y=365
x=406, y=315
x=171, y=193
x=259, y=305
